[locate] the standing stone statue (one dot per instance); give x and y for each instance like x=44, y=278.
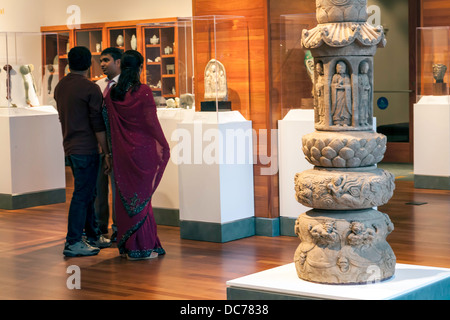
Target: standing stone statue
x=319, y=95
x=216, y=87
x=215, y=81
x=365, y=91
x=341, y=96
x=343, y=238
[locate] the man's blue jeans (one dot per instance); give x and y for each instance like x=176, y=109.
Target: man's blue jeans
x=81, y=211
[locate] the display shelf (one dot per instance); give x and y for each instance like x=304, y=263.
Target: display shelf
x=127, y=36
x=93, y=40
x=160, y=44
x=55, y=48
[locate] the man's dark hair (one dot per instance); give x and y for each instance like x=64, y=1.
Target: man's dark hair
x=115, y=53
x=80, y=58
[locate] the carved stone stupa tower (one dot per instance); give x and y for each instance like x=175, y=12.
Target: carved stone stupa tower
x=343, y=238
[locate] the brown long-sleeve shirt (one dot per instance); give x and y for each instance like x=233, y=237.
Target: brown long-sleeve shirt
x=79, y=102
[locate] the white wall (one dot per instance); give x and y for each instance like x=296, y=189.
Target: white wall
x=55, y=11
x=30, y=15
x=21, y=15
x=25, y=18
x=391, y=70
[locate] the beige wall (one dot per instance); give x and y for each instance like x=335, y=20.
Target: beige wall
x=391, y=74
x=21, y=15
x=115, y=10
x=30, y=15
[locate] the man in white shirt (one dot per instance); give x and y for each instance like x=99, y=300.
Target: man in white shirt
x=110, y=64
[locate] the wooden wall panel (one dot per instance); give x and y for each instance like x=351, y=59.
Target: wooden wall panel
x=263, y=27
x=435, y=13
x=257, y=107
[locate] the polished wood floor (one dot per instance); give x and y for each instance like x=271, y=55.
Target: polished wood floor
x=33, y=267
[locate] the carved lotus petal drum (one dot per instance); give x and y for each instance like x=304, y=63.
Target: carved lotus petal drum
x=343, y=239
x=344, y=149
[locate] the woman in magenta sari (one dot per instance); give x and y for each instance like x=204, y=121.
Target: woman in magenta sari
x=140, y=153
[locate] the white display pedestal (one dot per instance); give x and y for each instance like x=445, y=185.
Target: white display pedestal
x=165, y=200
x=432, y=143
x=291, y=129
x=32, y=169
x=410, y=282
x=215, y=163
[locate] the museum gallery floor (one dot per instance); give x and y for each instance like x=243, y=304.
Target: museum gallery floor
x=33, y=266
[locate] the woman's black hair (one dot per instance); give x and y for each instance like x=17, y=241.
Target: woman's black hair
x=130, y=65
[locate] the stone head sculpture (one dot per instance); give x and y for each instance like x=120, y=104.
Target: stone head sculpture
x=439, y=71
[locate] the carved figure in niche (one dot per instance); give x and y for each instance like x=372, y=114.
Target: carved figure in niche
x=341, y=99
x=364, y=94
x=320, y=94
x=215, y=81
x=439, y=72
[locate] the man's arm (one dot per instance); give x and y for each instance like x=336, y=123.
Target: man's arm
x=101, y=138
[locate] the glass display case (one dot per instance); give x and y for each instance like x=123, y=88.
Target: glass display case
x=24, y=80
x=221, y=136
x=29, y=124
x=182, y=58
x=56, y=46
x=433, y=63
x=293, y=74
x=221, y=60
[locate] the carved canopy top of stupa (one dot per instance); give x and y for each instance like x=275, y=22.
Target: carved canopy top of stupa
x=343, y=34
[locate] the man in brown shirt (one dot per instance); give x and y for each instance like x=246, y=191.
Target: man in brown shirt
x=79, y=103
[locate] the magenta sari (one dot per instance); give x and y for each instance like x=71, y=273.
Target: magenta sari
x=140, y=153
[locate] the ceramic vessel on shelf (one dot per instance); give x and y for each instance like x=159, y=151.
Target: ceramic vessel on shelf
x=119, y=40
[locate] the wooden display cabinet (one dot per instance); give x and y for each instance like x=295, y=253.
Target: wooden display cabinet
x=160, y=59
x=56, y=44
x=160, y=55
x=126, y=33
x=92, y=38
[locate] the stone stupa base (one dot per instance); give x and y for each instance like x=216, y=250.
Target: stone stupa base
x=344, y=247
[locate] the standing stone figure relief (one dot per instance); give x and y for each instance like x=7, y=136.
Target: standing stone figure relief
x=215, y=81
x=320, y=94
x=341, y=98
x=364, y=94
